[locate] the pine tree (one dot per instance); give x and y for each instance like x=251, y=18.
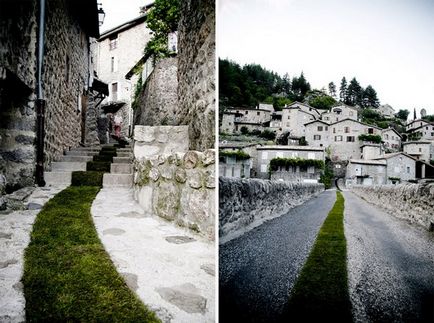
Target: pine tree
x=332, y=90
x=370, y=98
x=343, y=90
x=354, y=93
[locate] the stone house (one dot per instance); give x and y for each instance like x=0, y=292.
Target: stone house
x=371, y=151
x=415, y=124
x=267, y=153
x=228, y=122
x=391, y=139
x=242, y=168
x=344, y=141
x=266, y=106
x=253, y=119
x=421, y=150
x=294, y=117
x=59, y=83
x=339, y=113
x=118, y=50
x=420, y=130
x=304, y=107
x=365, y=172
x=386, y=111
x=276, y=121
x=399, y=165
x=317, y=133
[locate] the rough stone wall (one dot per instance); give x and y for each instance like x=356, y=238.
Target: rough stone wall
x=159, y=99
x=17, y=82
x=179, y=187
x=66, y=72
x=411, y=202
x=244, y=203
x=92, y=115
x=196, y=72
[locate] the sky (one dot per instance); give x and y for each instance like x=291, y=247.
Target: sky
x=117, y=12
x=385, y=43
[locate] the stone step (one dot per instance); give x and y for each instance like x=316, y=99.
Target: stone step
x=117, y=180
x=123, y=160
x=124, y=154
x=82, y=159
x=68, y=166
x=81, y=153
x=58, y=177
x=95, y=148
x=121, y=168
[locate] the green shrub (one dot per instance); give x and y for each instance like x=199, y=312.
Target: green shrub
x=239, y=154
x=370, y=138
x=275, y=163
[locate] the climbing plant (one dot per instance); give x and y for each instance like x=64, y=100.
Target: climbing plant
x=371, y=138
x=275, y=163
x=239, y=155
x=162, y=19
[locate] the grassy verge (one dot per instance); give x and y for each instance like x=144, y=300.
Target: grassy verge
x=321, y=291
x=68, y=276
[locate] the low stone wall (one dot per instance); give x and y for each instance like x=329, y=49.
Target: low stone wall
x=412, y=202
x=179, y=187
x=244, y=203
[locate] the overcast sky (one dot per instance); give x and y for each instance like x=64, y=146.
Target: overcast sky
x=119, y=11
x=386, y=43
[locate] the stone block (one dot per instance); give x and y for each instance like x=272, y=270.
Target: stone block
x=166, y=200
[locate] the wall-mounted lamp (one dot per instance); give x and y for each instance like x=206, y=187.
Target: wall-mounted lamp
x=101, y=15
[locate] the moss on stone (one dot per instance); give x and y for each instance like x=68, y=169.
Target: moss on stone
x=103, y=158
x=88, y=178
x=100, y=166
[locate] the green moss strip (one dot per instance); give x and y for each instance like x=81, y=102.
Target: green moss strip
x=88, y=178
x=321, y=291
x=103, y=158
x=98, y=166
x=68, y=277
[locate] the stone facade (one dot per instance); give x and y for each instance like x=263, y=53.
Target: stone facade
x=267, y=153
x=65, y=83
x=391, y=139
x=400, y=165
x=411, y=202
x=294, y=119
x=159, y=100
x=118, y=50
x=245, y=203
x=173, y=182
x=386, y=110
x=366, y=172
x=340, y=113
x=231, y=167
x=196, y=72
x=317, y=134
x=423, y=150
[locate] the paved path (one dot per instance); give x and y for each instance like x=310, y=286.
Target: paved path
x=390, y=264
x=171, y=270
x=15, y=229
x=258, y=269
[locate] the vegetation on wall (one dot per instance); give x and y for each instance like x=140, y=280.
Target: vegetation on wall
x=370, y=138
x=327, y=175
x=162, y=19
x=239, y=154
x=277, y=162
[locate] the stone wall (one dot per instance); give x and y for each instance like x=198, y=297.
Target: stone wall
x=179, y=187
x=411, y=202
x=172, y=182
x=196, y=72
x=245, y=203
x=159, y=99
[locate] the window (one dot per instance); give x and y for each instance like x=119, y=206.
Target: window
x=263, y=168
x=371, y=130
x=408, y=169
x=113, y=64
x=338, y=138
x=386, y=136
x=113, y=42
x=289, y=117
x=319, y=128
x=247, y=112
x=326, y=128
x=326, y=118
x=311, y=170
x=420, y=150
x=317, y=137
x=347, y=129
x=258, y=113
x=334, y=130
x=350, y=139
x=114, y=91
x=337, y=166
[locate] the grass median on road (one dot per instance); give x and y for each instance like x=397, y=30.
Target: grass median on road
x=68, y=276
x=321, y=291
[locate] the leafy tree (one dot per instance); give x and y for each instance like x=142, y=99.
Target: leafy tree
x=300, y=86
x=332, y=90
x=402, y=114
x=318, y=99
x=343, y=90
x=162, y=19
x=429, y=117
x=354, y=93
x=370, y=98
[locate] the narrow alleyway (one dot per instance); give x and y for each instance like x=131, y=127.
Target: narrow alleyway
x=259, y=269
x=390, y=265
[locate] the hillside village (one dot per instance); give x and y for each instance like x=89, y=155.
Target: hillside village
x=313, y=145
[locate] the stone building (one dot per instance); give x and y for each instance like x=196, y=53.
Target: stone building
x=295, y=116
x=421, y=150
x=371, y=151
x=317, y=133
x=366, y=172
x=339, y=113
x=391, y=139
x=66, y=88
x=230, y=166
x=241, y=168
x=386, y=110
x=252, y=119
x=420, y=130
x=267, y=153
x=399, y=166
x=117, y=51
x=344, y=138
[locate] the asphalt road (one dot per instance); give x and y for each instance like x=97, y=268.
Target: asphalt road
x=259, y=269
x=390, y=265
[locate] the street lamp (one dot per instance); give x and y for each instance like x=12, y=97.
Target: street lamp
x=101, y=15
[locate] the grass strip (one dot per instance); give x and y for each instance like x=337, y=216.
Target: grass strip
x=87, y=178
x=98, y=166
x=321, y=292
x=68, y=276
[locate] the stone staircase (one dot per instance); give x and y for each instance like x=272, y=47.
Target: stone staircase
x=121, y=170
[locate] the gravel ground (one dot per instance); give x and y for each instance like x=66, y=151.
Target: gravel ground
x=390, y=265
x=258, y=269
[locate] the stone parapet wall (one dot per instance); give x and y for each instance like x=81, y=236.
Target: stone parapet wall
x=246, y=203
x=179, y=187
x=412, y=202
x=159, y=100
x=196, y=72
